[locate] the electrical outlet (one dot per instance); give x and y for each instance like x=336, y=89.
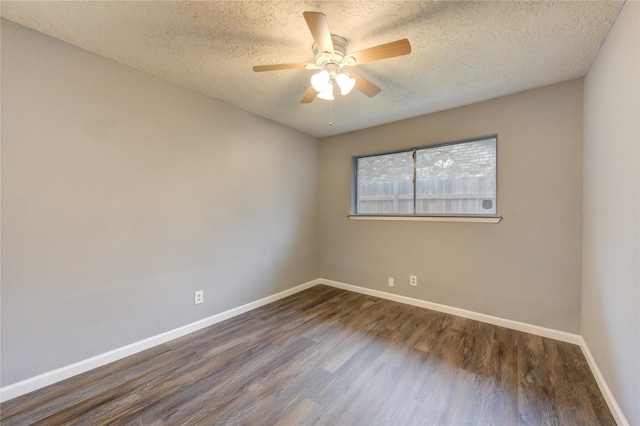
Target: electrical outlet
x=413, y=280
x=391, y=282
x=198, y=297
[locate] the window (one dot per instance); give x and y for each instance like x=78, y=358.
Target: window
x=449, y=179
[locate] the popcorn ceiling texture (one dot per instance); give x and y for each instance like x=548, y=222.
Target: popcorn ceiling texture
x=462, y=52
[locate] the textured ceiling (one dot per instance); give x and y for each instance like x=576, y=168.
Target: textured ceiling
x=462, y=52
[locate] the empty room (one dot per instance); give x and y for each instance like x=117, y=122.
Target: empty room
x=320, y=212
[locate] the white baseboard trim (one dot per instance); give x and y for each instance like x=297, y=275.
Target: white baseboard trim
x=37, y=382
x=621, y=420
x=563, y=336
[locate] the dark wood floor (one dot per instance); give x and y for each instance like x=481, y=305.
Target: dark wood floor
x=328, y=356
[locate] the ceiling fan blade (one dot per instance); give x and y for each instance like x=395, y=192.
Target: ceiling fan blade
x=364, y=85
x=383, y=51
x=309, y=95
x=319, y=28
x=275, y=67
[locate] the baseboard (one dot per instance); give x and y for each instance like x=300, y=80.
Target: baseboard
x=621, y=420
x=563, y=336
x=37, y=382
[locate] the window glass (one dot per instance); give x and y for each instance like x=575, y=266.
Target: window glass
x=457, y=179
x=385, y=184
x=452, y=179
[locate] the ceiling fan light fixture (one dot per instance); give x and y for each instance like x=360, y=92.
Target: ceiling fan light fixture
x=331, y=54
x=327, y=94
x=321, y=81
x=345, y=83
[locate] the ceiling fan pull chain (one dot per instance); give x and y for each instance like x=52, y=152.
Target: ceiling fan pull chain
x=330, y=113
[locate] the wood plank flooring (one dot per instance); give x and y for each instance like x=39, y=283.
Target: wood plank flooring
x=332, y=357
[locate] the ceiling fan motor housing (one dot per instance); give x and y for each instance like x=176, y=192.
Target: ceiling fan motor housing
x=333, y=61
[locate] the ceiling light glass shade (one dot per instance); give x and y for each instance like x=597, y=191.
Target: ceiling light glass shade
x=320, y=81
x=345, y=83
x=327, y=94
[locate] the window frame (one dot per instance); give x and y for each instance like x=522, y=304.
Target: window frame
x=483, y=218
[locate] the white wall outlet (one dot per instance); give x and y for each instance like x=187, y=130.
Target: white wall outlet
x=413, y=280
x=391, y=282
x=198, y=297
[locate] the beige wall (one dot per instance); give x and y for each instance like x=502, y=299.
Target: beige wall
x=123, y=194
x=611, y=254
x=527, y=267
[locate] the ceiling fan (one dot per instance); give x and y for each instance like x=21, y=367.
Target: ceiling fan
x=332, y=60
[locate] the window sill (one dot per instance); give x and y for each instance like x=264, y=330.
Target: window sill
x=414, y=218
